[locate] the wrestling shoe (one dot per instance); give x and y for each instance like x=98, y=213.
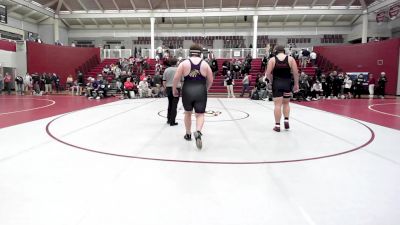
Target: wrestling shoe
x=188, y=137
x=277, y=129
x=286, y=123
x=197, y=136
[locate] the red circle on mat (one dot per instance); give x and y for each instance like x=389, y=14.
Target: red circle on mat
x=371, y=139
x=20, y=105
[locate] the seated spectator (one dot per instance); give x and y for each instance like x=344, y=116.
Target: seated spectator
x=262, y=89
x=102, y=87
x=304, y=88
x=74, y=88
x=144, y=89
x=316, y=90
x=107, y=69
x=130, y=88
x=69, y=83
x=91, y=86
x=157, y=81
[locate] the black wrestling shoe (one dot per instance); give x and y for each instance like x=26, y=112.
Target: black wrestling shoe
x=173, y=124
x=277, y=129
x=188, y=137
x=286, y=123
x=197, y=136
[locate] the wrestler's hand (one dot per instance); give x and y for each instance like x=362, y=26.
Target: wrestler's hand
x=295, y=88
x=175, y=92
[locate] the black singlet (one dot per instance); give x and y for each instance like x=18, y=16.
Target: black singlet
x=282, y=78
x=194, y=90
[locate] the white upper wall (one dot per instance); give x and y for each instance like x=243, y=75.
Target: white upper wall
x=162, y=32
x=384, y=29
x=46, y=31
x=8, y=59
x=18, y=26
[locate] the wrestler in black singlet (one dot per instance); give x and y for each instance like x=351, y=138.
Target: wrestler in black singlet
x=194, y=90
x=282, y=78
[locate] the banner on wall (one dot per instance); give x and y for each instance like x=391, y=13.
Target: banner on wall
x=394, y=11
x=380, y=16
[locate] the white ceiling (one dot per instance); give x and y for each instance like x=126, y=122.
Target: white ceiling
x=34, y=11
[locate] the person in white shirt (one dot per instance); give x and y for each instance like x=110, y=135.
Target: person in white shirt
x=160, y=52
x=144, y=89
x=313, y=57
x=117, y=71
x=316, y=90
x=28, y=83
x=230, y=82
x=347, y=86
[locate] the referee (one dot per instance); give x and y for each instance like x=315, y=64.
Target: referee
x=168, y=78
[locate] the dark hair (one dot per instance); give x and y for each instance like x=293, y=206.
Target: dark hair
x=195, y=49
x=279, y=49
x=173, y=61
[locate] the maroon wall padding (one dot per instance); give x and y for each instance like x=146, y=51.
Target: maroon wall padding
x=364, y=58
x=8, y=46
x=61, y=60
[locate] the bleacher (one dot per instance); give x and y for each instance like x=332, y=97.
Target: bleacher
x=332, y=39
x=264, y=40
x=218, y=85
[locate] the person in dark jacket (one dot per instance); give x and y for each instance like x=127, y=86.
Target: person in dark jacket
x=358, y=86
x=48, y=84
x=264, y=62
x=225, y=67
x=382, y=85
x=20, y=82
x=56, y=81
x=214, y=66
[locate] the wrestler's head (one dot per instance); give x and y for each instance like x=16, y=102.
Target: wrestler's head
x=195, y=50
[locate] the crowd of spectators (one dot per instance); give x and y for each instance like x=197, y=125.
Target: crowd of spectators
x=34, y=84
x=236, y=69
x=129, y=78
x=340, y=86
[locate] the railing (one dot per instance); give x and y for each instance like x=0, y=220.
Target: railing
x=115, y=53
x=184, y=53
